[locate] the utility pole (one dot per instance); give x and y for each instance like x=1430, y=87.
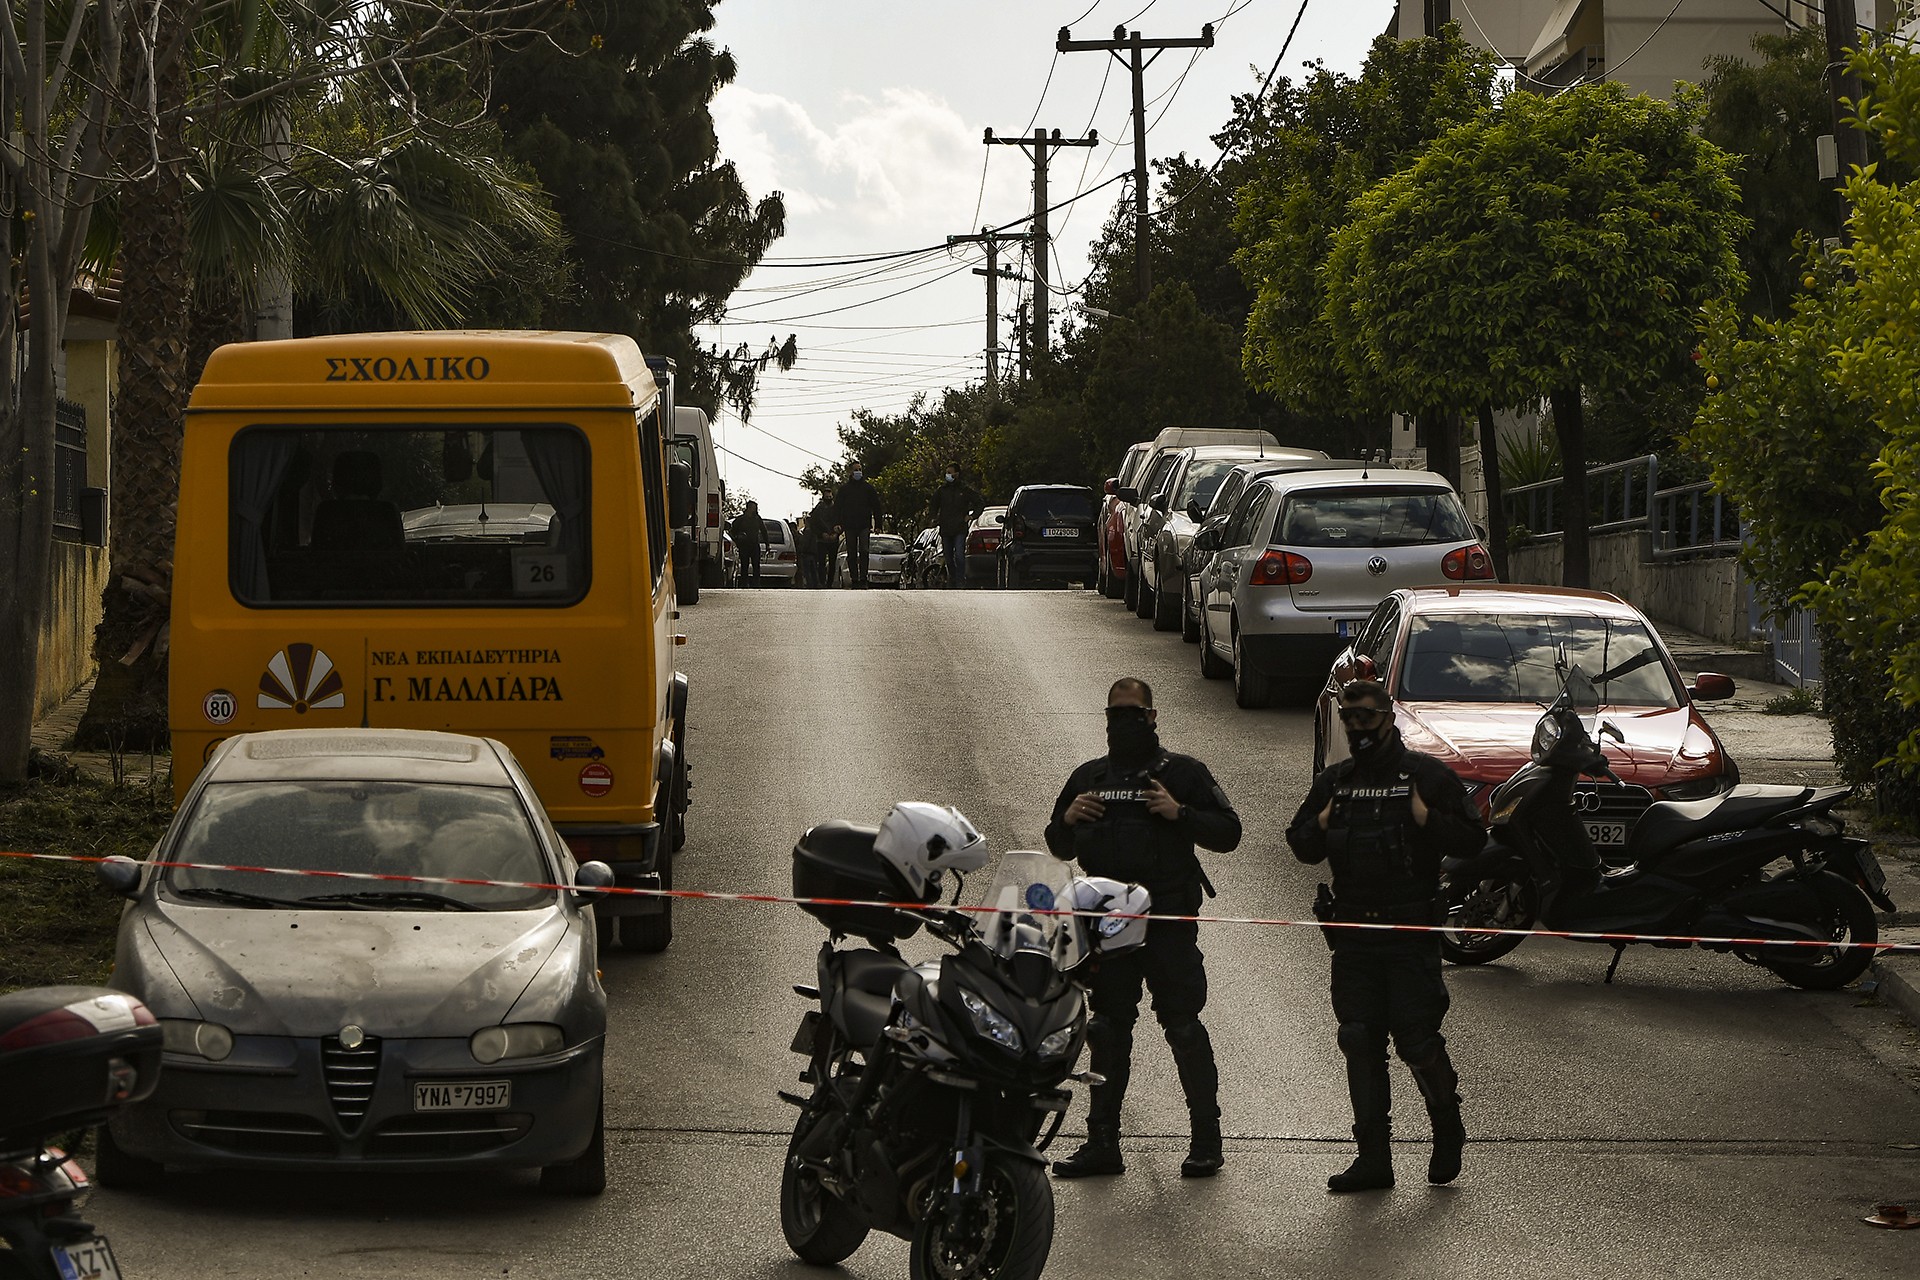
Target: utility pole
x=1040, y=147
x=994, y=274
x=1849, y=144
x=1020, y=327
x=1136, y=62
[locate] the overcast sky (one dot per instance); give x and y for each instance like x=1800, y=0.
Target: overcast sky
x=868, y=116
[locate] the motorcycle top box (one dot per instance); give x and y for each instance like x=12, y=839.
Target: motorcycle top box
x=70, y=1057
x=837, y=860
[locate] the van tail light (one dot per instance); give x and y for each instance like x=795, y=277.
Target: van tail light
x=593, y=848
x=1018, y=528
x=713, y=511
x=1280, y=568
x=1468, y=564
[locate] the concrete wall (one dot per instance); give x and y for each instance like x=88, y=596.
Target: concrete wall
x=1707, y=596
x=66, y=632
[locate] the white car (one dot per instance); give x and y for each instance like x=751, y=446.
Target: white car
x=1304, y=557
x=886, y=553
x=780, y=558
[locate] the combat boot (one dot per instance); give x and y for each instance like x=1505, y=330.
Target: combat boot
x=1098, y=1156
x=1439, y=1085
x=1372, y=1169
x=1204, y=1153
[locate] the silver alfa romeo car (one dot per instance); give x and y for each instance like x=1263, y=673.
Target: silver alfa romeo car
x=317, y=1022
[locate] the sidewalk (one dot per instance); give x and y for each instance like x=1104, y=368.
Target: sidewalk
x=53, y=735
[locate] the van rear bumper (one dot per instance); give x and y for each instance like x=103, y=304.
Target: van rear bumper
x=632, y=850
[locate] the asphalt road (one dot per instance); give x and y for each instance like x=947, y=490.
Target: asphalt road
x=1696, y=1118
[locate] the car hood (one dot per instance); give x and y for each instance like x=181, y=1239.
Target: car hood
x=308, y=973
x=1489, y=742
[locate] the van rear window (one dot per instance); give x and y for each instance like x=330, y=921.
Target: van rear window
x=397, y=516
x=1377, y=516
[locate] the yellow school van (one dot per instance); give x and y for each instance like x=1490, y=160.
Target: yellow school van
x=462, y=530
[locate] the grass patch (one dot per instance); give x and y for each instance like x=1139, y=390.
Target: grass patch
x=1794, y=702
x=57, y=924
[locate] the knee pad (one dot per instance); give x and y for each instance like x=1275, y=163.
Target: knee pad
x=1357, y=1039
x=1424, y=1053
x=1187, y=1033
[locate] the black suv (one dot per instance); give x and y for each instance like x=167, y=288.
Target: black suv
x=1048, y=535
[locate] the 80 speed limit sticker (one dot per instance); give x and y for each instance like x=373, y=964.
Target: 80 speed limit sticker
x=220, y=706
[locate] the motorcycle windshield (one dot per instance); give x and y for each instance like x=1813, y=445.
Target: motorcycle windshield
x=1025, y=884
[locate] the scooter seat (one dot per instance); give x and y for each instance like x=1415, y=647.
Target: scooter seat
x=860, y=1003
x=1668, y=823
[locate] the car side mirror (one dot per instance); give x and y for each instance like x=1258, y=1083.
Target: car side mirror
x=1480, y=531
x=591, y=880
x=1127, y=493
x=119, y=873
x=1207, y=539
x=679, y=495
x=1195, y=511
x=1710, y=686
x=1363, y=668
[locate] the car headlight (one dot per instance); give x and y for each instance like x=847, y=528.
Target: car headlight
x=1059, y=1042
x=195, y=1039
x=516, y=1040
x=1698, y=788
x=990, y=1022
x=1546, y=736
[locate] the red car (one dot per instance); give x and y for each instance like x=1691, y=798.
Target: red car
x=1469, y=668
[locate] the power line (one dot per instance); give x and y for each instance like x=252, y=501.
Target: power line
x=741, y=457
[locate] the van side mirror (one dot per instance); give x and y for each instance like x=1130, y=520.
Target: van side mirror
x=1710, y=686
x=1195, y=511
x=1127, y=493
x=120, y=874
x=679, y=495
x=1160, y=502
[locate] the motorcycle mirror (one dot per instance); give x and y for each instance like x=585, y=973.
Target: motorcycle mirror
x=1581, y=692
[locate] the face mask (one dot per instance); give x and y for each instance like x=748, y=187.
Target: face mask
x=1364, y=742
x=1131, y=737
x=949, y=477
x=856, y=474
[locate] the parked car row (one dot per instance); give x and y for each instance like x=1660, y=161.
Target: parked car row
x=1047, y=533
x=1295, y=573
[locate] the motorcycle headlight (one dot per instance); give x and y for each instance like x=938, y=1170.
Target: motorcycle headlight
x=1546, y=736
x=207, y=1040
x=516, y=1040
x=990, y=1022
x=1059, y=1042
x=1698, y=788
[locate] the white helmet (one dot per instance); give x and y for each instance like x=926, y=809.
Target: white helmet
x=920, y=840
x=1122, y=929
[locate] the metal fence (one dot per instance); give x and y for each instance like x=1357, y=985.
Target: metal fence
x=1685, y=520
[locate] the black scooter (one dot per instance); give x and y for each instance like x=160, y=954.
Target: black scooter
x=931, y=1083
x=70, y=1057
x=1704, y=868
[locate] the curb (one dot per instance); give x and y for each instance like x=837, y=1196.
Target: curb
x=1899, y=981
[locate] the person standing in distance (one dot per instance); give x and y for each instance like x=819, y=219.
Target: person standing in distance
x=1384, y=819
x=749, y=535
x=955, y=504
x=1135, y=814
x=826, y=530
x=858, y=505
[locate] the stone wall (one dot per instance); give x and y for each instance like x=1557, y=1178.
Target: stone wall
x=1705, y=595
x=66, y=631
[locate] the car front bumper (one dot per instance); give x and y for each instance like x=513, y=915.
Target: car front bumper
x=269, y=1107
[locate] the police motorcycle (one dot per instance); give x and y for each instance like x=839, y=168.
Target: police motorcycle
x=1702, y=868
x=70, y=1057
x=931, y=1082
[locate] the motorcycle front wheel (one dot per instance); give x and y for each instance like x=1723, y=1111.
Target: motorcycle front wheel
x=1495, y=904
x=1006, y=1235
x=820, y=1228
x=1850, y=919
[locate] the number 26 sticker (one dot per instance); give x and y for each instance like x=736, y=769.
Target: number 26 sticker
x=220, y=706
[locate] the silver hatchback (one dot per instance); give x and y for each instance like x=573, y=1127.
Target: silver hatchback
x=1303, y=558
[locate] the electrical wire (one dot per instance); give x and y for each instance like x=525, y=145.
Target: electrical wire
x=741, y=457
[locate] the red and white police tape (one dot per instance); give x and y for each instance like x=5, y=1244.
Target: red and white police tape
x=706, y=895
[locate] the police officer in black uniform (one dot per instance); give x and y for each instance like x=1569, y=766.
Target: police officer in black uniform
x=1384, y=819
x=1135, y=814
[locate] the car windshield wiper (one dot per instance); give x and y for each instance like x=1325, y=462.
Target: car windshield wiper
x=398, y=898
x=235, y=897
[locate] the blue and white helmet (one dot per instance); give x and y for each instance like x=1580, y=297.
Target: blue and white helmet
x=920, y=840
x=1121, y=928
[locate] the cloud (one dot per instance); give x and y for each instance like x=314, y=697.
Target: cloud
x=899, y=161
